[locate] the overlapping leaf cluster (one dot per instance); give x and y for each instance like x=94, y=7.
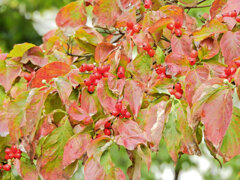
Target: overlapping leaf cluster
x=55, y=120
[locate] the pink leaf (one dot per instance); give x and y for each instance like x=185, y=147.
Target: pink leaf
x=75, y=148
x=181, y=45
x=93, y=170
x=102, y=51
x=230, y=44
x=130, y=135
x=133, y=94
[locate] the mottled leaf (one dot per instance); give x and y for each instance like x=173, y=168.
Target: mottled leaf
x=212, y=28
x=72, y=15
x=64, y=88
x=216, y=7
x=103, y=50
x=181, y=45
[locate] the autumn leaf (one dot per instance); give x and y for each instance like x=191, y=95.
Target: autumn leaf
x=48, y=72
x=19, y=49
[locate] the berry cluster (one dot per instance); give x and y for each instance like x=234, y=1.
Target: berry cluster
x=133, y=28
x=120, y=111
x=175, y=28
x=230, y=71
x=176, y=91
x=28, y=76
x=121, y=72
x=98, y=73
x=232, y=14
x=147, y=4
x=161, y=71
x=193, y=56
x=108, y=127
x=147, y=47
x=11, y=153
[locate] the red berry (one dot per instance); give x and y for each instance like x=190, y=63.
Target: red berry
x=161, y=69
x=228, y=71
x=168, y=76
x=101, y=70
x=17, y=155
x=178, y=95
x=146, y=46
x=127, y=115
x=7, y=157
x=178, y=87
x=172, y=91
x=90, y=67
x=178, y=32
x=226, y=15
x=233, y=14
x=192, y=61
x=118, y=106
x=87, y=82
x=107, y=125
x=107, y=132
x=106, y=68
x=238, y=19
x=194, y=54
x=147, y=5
x=92, y=78
x=233, y=70
x=130, y=25
x=19, y=151
x=27, y=77
x=98, y=135
x=6, y=167
x=237, y=62
x=98, y=75
x=170, y=26
x=8, y=151
x=81, y=69
x=115, y=113
x=136, y=28
x=91, y=88
x=151, y=52
x=0, y=166
x=10, y=155
x=178, y=24
x=124, y=111
x=14, y=148
x=120, y=75
x=84, y=67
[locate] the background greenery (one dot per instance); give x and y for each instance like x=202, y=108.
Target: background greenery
x=16, y=26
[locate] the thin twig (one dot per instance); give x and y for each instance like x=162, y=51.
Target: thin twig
x=187, y=7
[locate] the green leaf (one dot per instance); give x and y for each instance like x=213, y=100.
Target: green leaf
x=19, y=49
x=159, y=56
x=120, y=157
x=50, y=161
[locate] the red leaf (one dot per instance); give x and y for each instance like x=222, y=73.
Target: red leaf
x=102, y=51
x=175, y=12
x=116, y=85
x=51, y=70
x=181, y=45
x=177, y=64
x=88, y=102
x=217, y=6
x=130, y=135
x=75, y=148
x=36, y=56
x=72, y=15
x=230, y=44
x=77, y=114
x=216, y=116
x=105, y=97
x=133, y=94
x=193, y=80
